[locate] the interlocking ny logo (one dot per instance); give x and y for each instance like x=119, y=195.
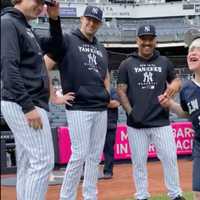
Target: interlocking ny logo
x=147, y=28
x=148, y=77
x=92, y=59
x=92, y=63
x=95, y=11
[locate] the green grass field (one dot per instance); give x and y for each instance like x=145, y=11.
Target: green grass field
x=187, y=195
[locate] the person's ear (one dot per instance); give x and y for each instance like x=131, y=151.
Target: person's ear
x=81, y=19
x=100, y=24
x=137, y=40
x=155, y=41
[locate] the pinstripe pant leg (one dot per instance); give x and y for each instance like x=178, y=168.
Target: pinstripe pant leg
x=22, y=170
x=80, y=124
x=139, y=143
x=97, y=140
x=21, y=155
x=37, y=145
x=41, y=160
x=165, y=144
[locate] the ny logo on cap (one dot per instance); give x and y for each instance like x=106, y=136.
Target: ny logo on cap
x=95, y=10
x=147, y=28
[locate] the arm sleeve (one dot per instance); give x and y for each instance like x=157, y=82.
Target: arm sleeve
x=54, y=45
x=171, y=74
x=123, y=74
x=10, y=65
x=113, y=94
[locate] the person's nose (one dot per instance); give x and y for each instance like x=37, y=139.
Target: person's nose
x=147, y=42
x=92, y=23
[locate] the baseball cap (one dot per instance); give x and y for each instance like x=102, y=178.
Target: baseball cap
x=146, y=30
x=94, y=12
x=191, y=35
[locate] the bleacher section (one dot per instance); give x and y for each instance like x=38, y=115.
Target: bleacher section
x=135, y=2
x=84, y=1
x=114, y=1
x=124, y=30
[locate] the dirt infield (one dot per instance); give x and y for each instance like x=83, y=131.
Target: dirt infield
x=121, y=186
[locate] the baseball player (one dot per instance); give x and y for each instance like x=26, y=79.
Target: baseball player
x=84, y=72
x=144, y=76
x=25, y=92
x=190, y=107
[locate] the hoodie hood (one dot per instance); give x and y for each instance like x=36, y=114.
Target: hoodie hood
x=15, y=13
x=155, y=55
x=79, y=34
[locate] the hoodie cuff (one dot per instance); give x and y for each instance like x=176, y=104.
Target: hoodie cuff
x=28, y=108
x=55, y=25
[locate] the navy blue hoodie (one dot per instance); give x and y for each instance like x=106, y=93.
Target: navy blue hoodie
x=146, y=80
x=24, y=75
x=83, y=71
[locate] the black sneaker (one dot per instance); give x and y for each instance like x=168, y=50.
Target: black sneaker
x=107, y=176
x=141, y=199
x=100, y=175
x=179, y=198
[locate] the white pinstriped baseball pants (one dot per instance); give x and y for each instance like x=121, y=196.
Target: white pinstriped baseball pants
x=164, y=141
x=34, y=152
x=87, y=134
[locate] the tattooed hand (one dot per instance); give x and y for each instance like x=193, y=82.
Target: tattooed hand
x=121, y=91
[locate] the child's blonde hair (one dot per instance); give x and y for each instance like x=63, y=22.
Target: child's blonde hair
x=195, y=44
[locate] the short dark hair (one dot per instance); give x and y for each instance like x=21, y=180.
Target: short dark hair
x=6, y=3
